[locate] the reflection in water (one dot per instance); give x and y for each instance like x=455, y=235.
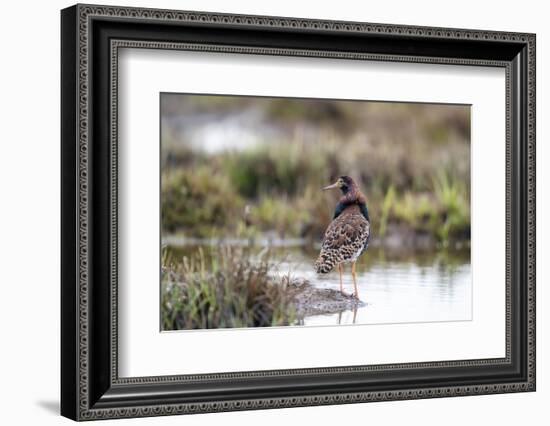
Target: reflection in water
x=397, y=292
x=354, y=310
x=395, y=287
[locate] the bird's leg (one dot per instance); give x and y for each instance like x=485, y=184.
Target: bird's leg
x=340, y=271
x=355, y=291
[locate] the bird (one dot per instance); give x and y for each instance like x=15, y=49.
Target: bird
x=348, y=235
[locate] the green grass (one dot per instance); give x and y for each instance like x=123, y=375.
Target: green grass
x=419, y=188
x=230, y=290
x=197, y=199
x=453, y=197
x=280, y=169
x=386, y=210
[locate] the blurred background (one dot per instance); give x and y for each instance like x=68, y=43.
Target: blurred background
x=224, y=156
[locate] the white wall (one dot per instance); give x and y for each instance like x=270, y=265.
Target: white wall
x=29, y=224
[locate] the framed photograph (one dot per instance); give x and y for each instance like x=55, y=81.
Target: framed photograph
x=263, y=212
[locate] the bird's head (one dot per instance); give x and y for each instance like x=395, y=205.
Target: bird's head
x=343, y=183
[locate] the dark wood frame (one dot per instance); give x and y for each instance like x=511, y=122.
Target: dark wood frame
x=91, y=37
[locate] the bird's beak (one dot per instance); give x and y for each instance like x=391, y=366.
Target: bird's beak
x=333, y=186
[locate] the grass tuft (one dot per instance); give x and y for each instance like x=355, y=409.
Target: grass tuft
x=230, y=290
x=453, y=198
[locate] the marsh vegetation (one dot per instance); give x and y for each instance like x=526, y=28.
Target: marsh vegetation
x=245, y=171
x=227, y=290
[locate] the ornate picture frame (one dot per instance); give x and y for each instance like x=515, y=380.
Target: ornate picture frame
x=91, y=37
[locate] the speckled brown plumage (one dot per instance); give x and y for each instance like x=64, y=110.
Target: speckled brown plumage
x=345, y=239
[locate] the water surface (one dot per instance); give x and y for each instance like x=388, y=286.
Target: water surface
x=396, y=287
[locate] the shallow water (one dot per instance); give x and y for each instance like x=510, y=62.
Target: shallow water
x=396, y=287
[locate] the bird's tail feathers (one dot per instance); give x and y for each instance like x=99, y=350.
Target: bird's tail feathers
x=323, y=265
